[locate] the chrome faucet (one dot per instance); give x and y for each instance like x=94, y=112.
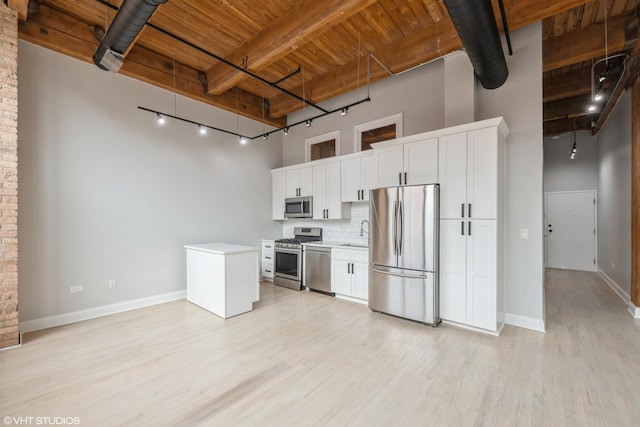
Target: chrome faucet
x=362, y=230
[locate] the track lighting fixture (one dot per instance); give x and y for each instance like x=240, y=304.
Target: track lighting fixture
x=203, y=129
x=344, y=111
x=592, y=107
x=598, y=97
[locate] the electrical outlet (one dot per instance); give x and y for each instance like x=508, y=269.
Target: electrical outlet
x=112, y=283
x=524, y=233
x=74, y=289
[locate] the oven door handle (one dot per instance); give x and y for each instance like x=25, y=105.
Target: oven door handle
x=288, y=251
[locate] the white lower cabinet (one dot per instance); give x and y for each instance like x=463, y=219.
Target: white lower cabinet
x=350, y=272
x=469, y=273
x=266, y=259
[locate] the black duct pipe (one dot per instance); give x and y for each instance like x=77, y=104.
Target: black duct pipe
x=476, y=26
x=125, y=27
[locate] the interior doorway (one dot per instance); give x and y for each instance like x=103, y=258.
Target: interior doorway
x=570, y=230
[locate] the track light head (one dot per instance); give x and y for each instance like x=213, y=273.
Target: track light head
x=286, y=131
x=592, y=107
x=202, y=130
x=160, y=119
x=344, y=111
x=598, y=97
x=265, y=136
x=243, y=140
x=308, y=123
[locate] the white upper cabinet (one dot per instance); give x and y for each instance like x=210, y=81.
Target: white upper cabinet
x=408, y=164
x=359, y=175
x=327, y=202
x=468, y=169
x=299, y=182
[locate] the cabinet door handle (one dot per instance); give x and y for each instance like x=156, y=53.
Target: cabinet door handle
x=400, y=177
x=268, y=257
x=268, y=271
x=351, y=268
x=469, y=210
x=348, y=268
x=469, y=228
x=405, y=178
x=462, y=228
x=462, y=206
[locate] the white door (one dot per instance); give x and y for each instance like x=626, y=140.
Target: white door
x=571, y=230
x=333, y=181
x=319, y=191
x=481, y=273
x=351, y=176
x=482, y=174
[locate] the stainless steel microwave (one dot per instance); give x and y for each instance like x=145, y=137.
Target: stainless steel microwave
x=298, y=207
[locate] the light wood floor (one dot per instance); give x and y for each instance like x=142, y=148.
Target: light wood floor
x=306, y=359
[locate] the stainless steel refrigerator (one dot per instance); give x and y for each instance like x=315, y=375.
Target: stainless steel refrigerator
x=403, y=253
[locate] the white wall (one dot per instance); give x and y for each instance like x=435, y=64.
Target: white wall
x=418, y=94
x=614, y=193
x=563, y=174
x=105, y=193
x=519, y=101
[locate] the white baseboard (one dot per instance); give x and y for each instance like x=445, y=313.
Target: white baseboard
x=624, y=295
x=524, y=322
x=92, y=313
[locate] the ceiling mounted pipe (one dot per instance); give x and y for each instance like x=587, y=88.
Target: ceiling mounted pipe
x=125, y=27
x=476, y=26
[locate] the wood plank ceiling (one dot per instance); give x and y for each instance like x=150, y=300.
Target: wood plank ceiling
x=329, y=42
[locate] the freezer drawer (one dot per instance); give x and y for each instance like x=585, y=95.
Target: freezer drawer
x=404, y=293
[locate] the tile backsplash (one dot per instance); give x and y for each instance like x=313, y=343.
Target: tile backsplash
x=347, y=230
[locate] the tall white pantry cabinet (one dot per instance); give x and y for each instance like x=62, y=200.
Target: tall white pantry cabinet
x=471, y=168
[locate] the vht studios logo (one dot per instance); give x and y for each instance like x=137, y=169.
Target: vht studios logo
x=42, y=421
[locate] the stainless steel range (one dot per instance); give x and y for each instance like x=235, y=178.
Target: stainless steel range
x=288, y=252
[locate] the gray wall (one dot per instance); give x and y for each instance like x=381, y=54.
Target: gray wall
x=614, y=193
x=563, y=174
x=418, y=94
x=105, y=193
x=519, y=100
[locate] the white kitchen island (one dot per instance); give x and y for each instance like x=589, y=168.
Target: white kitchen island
x=223, y=278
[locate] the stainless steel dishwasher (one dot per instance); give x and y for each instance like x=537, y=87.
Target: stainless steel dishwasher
x=317, y=269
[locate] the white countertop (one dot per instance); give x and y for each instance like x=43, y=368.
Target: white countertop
x=341, y=245
x=221, y=248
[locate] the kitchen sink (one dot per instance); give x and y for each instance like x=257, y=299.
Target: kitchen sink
x=355, y=245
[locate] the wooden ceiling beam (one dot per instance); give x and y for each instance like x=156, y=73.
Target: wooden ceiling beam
x=63, y=33
x=558, y=127
x=588, y=43
x=565, y=85
x=421, y=46
x=303, y=23
x=567, y=107
x=627, y=80
x=20, y=6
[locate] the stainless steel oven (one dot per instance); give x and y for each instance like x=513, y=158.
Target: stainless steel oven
x=288, y=267
x=288, y=254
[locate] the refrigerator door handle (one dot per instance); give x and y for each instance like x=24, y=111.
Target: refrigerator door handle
x=406, y=276
x=395, y=228
x=401, y=223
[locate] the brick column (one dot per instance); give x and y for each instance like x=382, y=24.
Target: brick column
x=9, y=335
